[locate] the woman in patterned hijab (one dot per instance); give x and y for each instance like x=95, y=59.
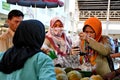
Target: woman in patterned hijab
x=57, y=40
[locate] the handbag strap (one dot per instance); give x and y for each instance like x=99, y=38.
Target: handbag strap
x=110, y=62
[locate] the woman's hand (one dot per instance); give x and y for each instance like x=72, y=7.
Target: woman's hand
x=45, y=50
x=75, y=50
x=84, y=36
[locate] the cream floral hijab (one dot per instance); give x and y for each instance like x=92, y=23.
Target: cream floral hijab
x=62, y=43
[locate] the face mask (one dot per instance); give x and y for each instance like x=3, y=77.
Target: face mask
x=56, y=31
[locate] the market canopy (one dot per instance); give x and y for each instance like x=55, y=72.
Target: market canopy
x=37, y=3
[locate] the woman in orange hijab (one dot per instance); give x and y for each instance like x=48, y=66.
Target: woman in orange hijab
x=95, y=45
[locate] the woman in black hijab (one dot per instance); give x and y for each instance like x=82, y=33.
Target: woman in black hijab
x=25, y=60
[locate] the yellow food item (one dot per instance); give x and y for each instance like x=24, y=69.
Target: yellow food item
x=85, y=78
x=74, y=75
x=96, y=77
x=62, y=76
x=59, y=70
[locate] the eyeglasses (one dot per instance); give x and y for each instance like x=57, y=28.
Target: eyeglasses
x=91, y=32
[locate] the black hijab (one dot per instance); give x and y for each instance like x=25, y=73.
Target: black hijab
x=27, y=41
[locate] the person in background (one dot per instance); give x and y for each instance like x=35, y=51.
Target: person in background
x=95, y=46
x=57, y=41
x=14, y=19
x=116, y=45
x=113, y=44
x=116, y=53
x=24, y=60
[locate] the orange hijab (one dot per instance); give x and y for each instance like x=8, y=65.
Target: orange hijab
x=96, y=25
